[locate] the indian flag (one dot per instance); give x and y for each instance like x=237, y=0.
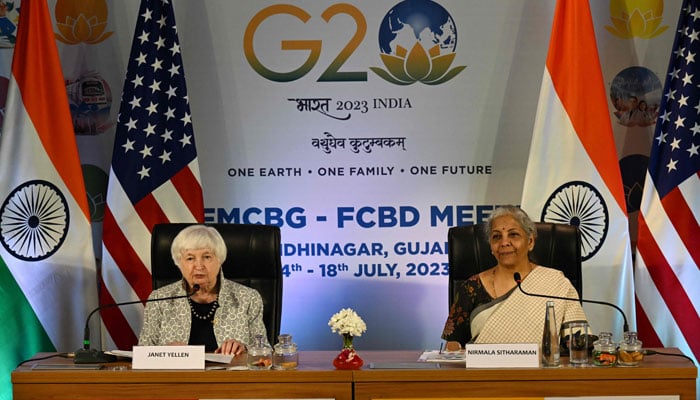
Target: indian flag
x=48, y=280
x=573, y=175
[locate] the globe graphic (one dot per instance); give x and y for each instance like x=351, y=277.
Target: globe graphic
x=422, y=21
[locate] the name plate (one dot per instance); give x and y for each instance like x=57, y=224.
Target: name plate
x=505, y=355
x=168, y=357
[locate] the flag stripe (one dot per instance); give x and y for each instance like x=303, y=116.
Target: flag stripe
x=149, y=211
x=130, y=263
x=36, y=81
x=121, y=292
x=682, y=219
x=23, y=335
x=171, y=204
x=570, y=56
x=665, y=326
x=668, y=285
x=666, y=238
x=189, y=189
x=129, y=221
x=661, y=234
x=691, y=192
x=644, y=325
x=119, y=329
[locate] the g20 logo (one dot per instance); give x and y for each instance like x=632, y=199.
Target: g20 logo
x=417, y=43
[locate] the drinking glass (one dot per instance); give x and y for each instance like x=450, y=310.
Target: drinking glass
x=578, y=343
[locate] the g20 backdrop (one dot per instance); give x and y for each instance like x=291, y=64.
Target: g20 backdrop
x=364, y=163
x=365, y=129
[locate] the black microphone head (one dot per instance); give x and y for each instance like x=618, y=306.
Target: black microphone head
x=517, y=278
x=195, y=288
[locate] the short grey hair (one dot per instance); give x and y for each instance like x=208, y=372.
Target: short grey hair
x=518, y=214
x=198, y=237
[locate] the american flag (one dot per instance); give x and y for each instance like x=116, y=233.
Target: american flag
x=667, y=277
x=154, y=176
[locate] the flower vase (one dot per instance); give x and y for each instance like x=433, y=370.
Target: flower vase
x=348, y=357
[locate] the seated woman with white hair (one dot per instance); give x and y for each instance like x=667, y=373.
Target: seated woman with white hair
x=220, y=314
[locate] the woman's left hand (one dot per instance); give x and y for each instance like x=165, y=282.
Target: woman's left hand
x=231, y=346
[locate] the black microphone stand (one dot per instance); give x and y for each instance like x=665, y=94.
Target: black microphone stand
x=94, y=356
x=518, y=280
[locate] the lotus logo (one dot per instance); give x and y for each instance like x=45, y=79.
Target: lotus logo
x=417, y=40
x=636, y=18
x=81, y=21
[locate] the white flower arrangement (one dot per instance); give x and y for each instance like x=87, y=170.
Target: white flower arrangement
x=347, y=322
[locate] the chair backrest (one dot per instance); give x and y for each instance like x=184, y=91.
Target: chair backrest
x=253, y=259
x=557, y=246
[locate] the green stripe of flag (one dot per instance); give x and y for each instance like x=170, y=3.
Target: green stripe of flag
x=21, y=333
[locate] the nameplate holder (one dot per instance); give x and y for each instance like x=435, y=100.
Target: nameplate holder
x=505, y=355
x=168, y=357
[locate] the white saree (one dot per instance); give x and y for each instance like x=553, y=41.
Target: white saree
x=518, y=318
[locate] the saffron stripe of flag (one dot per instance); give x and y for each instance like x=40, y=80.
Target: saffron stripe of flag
x=572, y=56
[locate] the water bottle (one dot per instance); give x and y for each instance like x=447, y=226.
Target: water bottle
x=550, y=338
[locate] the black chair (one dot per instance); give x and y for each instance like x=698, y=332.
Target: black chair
x=253, y=259
x=556, y=246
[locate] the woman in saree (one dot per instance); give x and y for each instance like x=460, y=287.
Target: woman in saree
x=488, y=307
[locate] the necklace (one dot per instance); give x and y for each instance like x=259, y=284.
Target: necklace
x=493, y=284
x=210, y=314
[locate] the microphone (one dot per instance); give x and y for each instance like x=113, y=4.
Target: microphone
x=94, y=356
x=518, y=280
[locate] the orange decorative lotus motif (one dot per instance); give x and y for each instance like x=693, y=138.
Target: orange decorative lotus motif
x=417, y=40
x=636, y=18
x=80, y=21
